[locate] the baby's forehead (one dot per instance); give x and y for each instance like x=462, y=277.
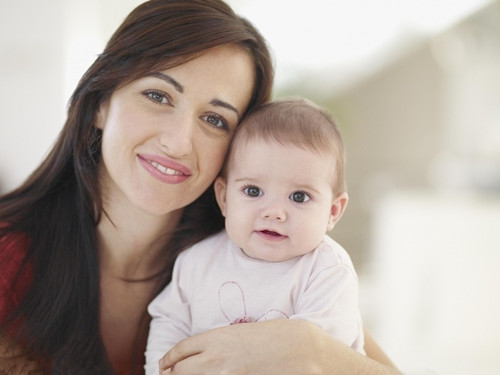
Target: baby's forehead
x=308, y=133
x=279, y=154
x=247, y=144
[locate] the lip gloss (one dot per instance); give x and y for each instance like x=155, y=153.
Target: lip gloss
x=163, y=169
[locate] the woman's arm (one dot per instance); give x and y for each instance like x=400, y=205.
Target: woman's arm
x=273, y=347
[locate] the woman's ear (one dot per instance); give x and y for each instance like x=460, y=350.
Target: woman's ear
x=101, y=114
x=220, y=193
x=337, y=209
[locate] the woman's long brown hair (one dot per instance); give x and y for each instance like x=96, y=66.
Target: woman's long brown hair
x=58, y=207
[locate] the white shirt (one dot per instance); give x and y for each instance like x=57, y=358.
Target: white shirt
x=215, y=284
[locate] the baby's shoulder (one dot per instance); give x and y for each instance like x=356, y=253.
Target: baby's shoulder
x=331, y=252
x=209, y=247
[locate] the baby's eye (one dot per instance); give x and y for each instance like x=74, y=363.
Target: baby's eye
x=252, y=191
x=216, y=121
x=299, y=197
x=157, y=96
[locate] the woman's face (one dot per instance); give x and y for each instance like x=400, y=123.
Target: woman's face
x=165, y=135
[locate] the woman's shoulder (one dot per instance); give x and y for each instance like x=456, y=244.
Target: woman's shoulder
x=13, y=247
x=14, y=277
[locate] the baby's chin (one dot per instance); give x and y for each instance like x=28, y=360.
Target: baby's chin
x=270, y=256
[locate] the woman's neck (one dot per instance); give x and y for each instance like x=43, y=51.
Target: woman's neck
x=131, y=246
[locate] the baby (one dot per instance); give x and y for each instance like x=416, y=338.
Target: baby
x=281, y=189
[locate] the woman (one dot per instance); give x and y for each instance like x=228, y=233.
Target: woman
x=90, y=238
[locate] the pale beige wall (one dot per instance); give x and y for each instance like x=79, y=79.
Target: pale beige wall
x=45, y=46
x=31, y=101
x=393, y=128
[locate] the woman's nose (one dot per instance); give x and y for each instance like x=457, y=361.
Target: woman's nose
x=176, y=137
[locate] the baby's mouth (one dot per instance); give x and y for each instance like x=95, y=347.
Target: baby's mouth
x=270, y=233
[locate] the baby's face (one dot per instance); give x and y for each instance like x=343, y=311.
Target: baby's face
x=278, y=199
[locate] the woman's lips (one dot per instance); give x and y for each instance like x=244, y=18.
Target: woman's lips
x=164, y=170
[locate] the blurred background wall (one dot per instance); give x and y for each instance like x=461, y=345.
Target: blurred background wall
x=415, y=86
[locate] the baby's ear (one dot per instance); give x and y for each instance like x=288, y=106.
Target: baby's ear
x=220, y=194
x=337, y=209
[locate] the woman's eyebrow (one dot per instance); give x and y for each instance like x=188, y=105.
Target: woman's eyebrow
x=221, y=103
x=168, y=79
x=180, y=88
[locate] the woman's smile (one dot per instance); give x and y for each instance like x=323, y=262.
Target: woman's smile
x=163, y=169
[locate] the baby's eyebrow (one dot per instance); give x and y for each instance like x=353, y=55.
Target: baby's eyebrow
x=248, y=179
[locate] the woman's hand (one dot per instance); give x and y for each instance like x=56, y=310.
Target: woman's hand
x=13, y=359
x=268, y=348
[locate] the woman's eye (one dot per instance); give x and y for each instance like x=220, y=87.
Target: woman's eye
x=216, y=121
x=299, y=197
x=252, y=191
x=157, y=96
